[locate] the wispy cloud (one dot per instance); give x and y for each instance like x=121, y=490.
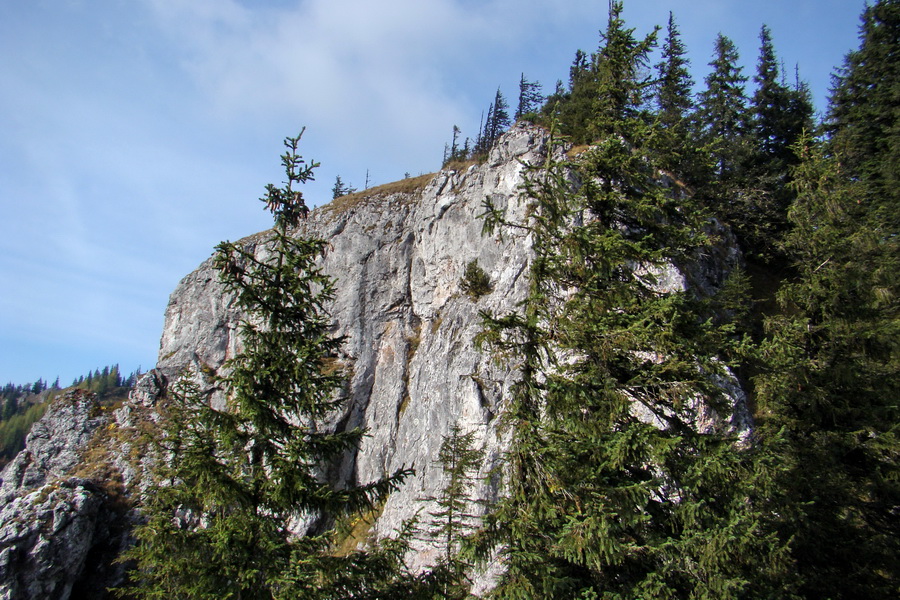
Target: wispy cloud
x=136, y=135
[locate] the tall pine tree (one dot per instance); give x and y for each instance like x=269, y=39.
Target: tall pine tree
x=780, y=116
x=674, y=100
x=832, y=359
x=219, y=526
x=722, y=125
x=674, y=85
x=828, y=389
x=864, y=110
x=614, y=489
x=621, y=75
x=529, y=97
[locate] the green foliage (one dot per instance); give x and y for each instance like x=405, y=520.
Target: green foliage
x=107, y=382
x=239, y=476
x=673, y=94
x=676, y=146
x=530, y=98
x=341, y=189
x=864, y=112
x=722, y=123
x=460, y=462
x=611, y=487
x=780, y=116
x=14, y=429
x=611, y=87
x=496, y=123
x=722, y=108
x=475, y=282
x=830, y=385
x=453, y=518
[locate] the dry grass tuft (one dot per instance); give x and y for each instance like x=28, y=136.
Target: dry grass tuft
x=410, y=185
x=462, y=165
x=574, y=151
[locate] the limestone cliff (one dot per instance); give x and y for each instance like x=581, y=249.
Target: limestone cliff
x=397, y=259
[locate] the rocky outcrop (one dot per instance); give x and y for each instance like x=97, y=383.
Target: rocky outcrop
x=58, y=531
x=54, y=444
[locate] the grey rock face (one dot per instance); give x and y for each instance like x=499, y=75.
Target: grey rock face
x=54, y=444
x=58, y=532
x=397, y=259
x=45, y=539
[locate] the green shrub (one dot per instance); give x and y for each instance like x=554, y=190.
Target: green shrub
x=475, y=282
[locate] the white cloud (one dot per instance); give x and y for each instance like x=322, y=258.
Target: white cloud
x=136, y=135
x=365, y=72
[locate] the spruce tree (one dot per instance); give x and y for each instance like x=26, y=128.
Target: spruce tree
x=460, y=462
x=780, y=116
x=722, y=109
x=722, y=126
x=609, y=84
x=613, y=489
x=529, y=97
x=674, y=86
x=484, y=141
x=674, y=100
x=499, y=118
x=864, y=112
x=340, y=188
x=453, y=519
x=622, y=79
x=573, y=106
x=219, y=525
x=780, y=113
x=832, y=360
x=829, y=386
x=455, y=153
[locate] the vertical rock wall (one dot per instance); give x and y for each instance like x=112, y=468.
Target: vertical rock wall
x=398, y=260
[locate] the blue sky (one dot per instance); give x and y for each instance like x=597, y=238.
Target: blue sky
x=137, y=134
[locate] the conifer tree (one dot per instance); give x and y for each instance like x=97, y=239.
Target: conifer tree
x=829, y=385
x=722, y=128
x=769, y=100
x=529, y=97
x=453, y=518
x=219, y=525
x=673, y=92
x=460, y=462
x=484, y=141
x=574, y=106
x=864, y=113
x=623, y=81
x=780, y=113
x=611, y=85
x=340, y=188
x=499, y=118
x=722, y=123
x=613, y=490
x=832, y=360
x=454, y=146
x=674, y=100
x=780, y=116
